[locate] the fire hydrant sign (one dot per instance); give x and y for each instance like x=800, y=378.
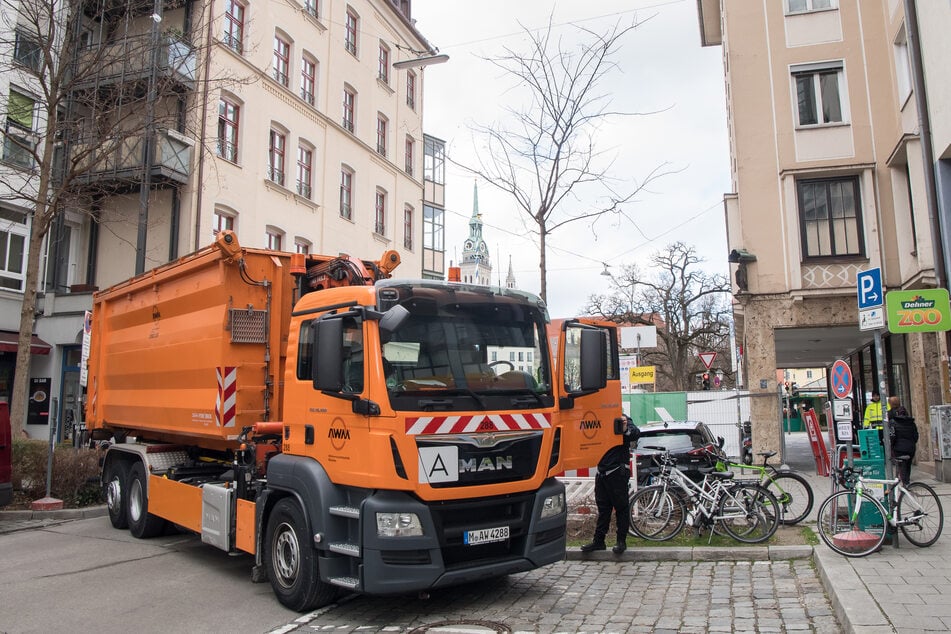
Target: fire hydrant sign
x=922, y=310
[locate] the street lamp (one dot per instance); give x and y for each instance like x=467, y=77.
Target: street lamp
x=606, y=272
x=419, y=62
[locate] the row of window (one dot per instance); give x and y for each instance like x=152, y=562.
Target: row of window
x=229, y=120
x=380, y=203
x=234, y=33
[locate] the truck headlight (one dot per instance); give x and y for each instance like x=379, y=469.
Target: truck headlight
x=553, y=505
x=398, y=525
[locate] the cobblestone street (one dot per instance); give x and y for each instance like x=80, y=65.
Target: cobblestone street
x=600, y=596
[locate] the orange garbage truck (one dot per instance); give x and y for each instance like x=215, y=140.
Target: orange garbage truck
x=351, y=431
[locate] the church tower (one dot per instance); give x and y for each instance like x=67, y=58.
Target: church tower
x=510, y=278
x=476, y=267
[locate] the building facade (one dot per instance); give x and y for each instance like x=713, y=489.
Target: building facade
x=296, y=124
x=829, y=179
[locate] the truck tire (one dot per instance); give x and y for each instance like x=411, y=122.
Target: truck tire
x=142, y=524
x=116, y=492
x=291, y=560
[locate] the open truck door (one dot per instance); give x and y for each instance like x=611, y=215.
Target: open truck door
x=589, y=389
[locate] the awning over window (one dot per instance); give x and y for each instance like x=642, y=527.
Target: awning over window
x=8, y=343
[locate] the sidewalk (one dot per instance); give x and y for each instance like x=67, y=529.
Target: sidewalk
x=905, y=589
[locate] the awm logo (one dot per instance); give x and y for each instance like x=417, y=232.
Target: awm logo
x=338, y=434
x=590, y=425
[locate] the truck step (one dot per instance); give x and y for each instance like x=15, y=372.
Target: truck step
x=345, y=511
x=346, y=582
x=345, y=549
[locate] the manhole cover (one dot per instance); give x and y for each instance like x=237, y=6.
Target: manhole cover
x=462, y=627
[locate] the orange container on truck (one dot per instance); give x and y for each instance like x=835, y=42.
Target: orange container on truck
x=350, y=431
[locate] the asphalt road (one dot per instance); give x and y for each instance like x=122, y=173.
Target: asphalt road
x=84, y=576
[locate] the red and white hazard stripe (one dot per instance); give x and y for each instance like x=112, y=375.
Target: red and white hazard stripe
x=593, y=471
x=479, y=422
x=579, y=473
x=226, y=404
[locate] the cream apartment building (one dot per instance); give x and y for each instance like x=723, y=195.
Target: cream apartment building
x=285, y=121
x=828, y=179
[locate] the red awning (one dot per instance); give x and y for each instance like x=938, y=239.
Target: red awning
x=8, y=343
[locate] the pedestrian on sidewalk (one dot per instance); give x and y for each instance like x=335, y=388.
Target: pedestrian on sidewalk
x=903, y=436
x=873, y=412
x=611, y=490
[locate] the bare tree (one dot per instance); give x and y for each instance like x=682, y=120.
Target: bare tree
x=98, y=97
x=545, y=154
x=689, y=306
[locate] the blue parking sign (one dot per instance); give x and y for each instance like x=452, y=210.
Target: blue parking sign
x=869, y=285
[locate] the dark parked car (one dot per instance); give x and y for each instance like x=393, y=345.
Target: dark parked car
x=690, y=442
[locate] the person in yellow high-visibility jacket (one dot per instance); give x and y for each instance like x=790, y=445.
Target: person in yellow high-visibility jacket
x=873, y=412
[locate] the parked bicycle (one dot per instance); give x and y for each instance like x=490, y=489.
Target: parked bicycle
x=745, y=511
x=853, y=522
x=791, y=489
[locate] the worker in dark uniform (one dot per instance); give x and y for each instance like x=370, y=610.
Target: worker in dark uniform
x=611, y=490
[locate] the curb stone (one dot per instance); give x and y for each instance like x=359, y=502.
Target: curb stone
x=855, y=608
x=696, y=553
x=60, y=514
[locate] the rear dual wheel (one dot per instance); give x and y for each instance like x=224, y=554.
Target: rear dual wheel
x=115, y=490
x=142, y=524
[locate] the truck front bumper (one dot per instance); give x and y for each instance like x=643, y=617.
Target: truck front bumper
x=441, y=557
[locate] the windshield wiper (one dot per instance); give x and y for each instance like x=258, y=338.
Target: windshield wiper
x=516, y=392
x=466, y=392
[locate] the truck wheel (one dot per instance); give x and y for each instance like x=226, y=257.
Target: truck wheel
x=116, y=492
x=291, y=560
x=142, y=524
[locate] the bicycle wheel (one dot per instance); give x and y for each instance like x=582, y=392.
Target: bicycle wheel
x=749, y=513
x=794, y=495
x=922, y=517
x=656, y=514
x=851, y=528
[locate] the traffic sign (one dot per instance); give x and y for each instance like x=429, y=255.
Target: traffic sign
x=872, y=318
x=841, y=379
x=870, y=288
x=706, y=358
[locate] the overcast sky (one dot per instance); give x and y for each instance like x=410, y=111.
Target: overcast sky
x=662, y=69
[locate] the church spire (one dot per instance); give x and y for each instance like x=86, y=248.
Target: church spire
x=475, y=199
x=510, y=278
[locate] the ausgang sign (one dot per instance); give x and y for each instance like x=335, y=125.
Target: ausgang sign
x=924, y=310
x=642, y=374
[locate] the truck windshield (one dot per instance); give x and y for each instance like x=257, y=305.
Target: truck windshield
x=463, y=356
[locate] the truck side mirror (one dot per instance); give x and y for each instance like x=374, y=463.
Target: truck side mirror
x=594, y=360
x=328, y=372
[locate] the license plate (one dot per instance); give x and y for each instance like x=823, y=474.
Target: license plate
x=486, y=535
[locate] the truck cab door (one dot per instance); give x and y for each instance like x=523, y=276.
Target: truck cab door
x=588, y=390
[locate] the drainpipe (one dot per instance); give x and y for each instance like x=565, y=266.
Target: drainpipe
x=924, y=132
x=200, y=178
x=928, y=161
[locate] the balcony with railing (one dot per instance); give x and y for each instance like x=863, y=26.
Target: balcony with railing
x=129, y=60
x=118, y=165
